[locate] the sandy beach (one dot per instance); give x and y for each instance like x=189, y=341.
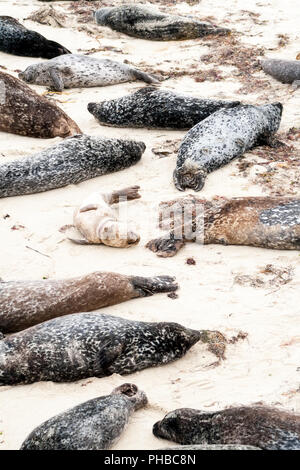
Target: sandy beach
x=229, y=288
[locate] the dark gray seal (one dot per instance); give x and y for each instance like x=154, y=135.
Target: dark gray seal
x=157, y=108
x=76, y=159
x=286, y=71
x=27, y=303
x=148, y=23
x=93, y=425
x=258, y=426
x=24, y=112
x=220, y=138
x=75, y=70
x=84, y=345
x=18, y=40
x=266, y=222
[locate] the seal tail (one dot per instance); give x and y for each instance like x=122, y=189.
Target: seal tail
x=147, y=286
x=145, y=77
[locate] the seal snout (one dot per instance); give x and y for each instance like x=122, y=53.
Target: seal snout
x=157, y=429
x=193, y=336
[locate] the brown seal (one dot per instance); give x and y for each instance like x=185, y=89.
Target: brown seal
x=97, y=222
x=267, y=222
x=24, y=112
x=27, y=303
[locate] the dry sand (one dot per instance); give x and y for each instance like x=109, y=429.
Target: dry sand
x=264, y=367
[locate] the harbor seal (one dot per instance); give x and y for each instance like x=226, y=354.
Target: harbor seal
x=266, y=222
x=75, y=70
x=258, y=426
x=24, y=112
x=157, y=108
x=93, y=425
x=98, y=223
x=220, y=138
x=148, y=23
x=27, y=303
x=18, y=40
x=85, y=345
x=286, y=71
x=76, y=159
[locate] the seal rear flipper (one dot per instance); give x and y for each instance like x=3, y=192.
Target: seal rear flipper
x=165, y=247
x=296, y=84
x=147, y=286
x=107, y=356
x=81, y=241
x=145, y=77
x=127, y=194
x=56, y=78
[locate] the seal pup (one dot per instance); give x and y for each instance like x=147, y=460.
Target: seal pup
x=286, y=71
x=266, y=222
x=76, y=70
x=76, y=159
x=258, y=426
x=148, y=23
x=157, y=108
x=24, y=112
x=93, y=425
x=85, y=345
x=18, y=40
x=221, y=137
x=27, y=303
x=97, y=222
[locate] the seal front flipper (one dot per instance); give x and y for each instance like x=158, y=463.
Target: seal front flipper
x=147, y=286
x=56, y=78
x=127, y=194
x=296, y=84
x=106, y=357
x=165, y=247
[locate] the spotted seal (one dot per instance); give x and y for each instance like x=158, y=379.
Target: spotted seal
x=18, y=40
x=148, y=23
x=24, y=112
x=258, y=426
x=266, y=222
x=220, y=138
x=74, y=160
x=286, y=71
x=82, y=345
x=157, y=108
x=75, y=70
x=97, y=222
x=27, y=303
x=93, y=425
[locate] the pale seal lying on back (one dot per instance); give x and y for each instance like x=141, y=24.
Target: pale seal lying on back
x=75, y=70
x=85, y=345
x=76, y=159
x=266, y=222
x=157, y=108
x=27, y=303
x=220, y=138
x=148, y=23
x=286, y=71
x=259, y=426
x=18, y=40
x=93, y=425
x=24, y=112
x=97, y=222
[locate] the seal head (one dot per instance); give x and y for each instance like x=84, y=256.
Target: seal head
x=190, y=175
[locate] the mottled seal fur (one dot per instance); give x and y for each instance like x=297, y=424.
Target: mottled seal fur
x=96, y=220
x=259, y=426
x=148, y=23
x=74, y=160
x=18, y=40
x=157, y=108
x=286, y=71
x=85, y=345
x=24, y=112
x=220, y=138
x=75, y=70
x=93, y=425
x=27, y=303
x=266, y=222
